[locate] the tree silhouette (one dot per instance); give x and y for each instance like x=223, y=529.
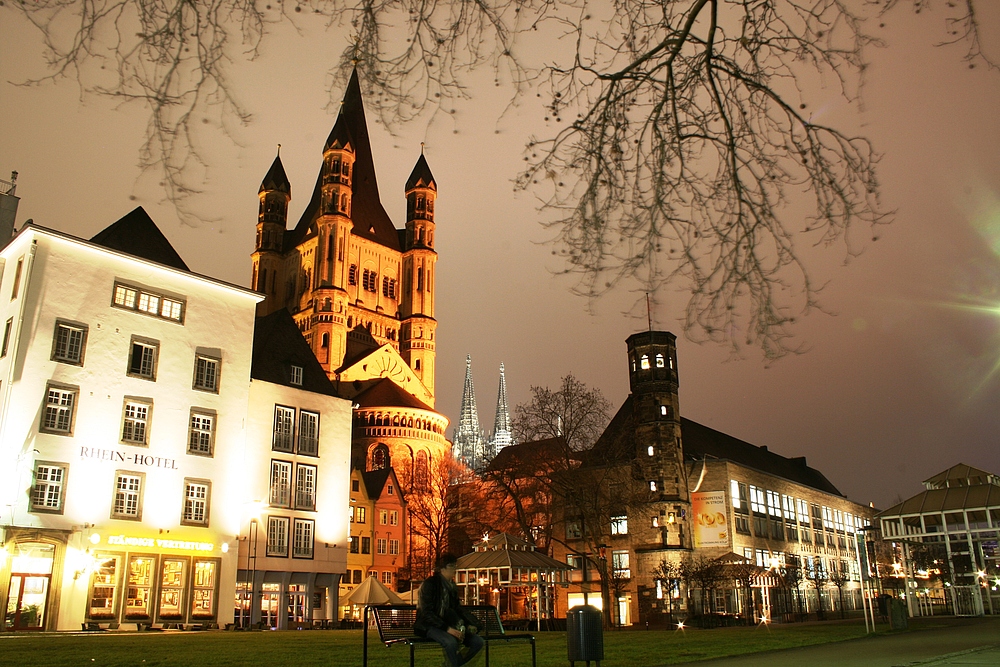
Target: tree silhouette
x=679, y=138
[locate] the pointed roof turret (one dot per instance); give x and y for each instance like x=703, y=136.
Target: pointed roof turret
x=136, y=234
x=502, y=433
x=275, y=178
x=421, y=176
x=369, y=217
x=340, y=135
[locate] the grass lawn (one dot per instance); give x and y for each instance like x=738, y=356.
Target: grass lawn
x=342, y=648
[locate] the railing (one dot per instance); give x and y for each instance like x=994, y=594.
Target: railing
x=8, y=187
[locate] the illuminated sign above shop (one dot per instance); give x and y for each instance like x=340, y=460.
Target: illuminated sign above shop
x=138, y=458
x=153, y=542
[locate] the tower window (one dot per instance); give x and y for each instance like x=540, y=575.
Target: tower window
x=352, y=275
x=325, y=340
x=659, y=361
x=664, y=410
x=416, y=365
x=650, y=450
x=644, y=362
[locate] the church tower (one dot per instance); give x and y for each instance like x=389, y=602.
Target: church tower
x=272, y=217
x=659, y=457
x=468, y=447
x=502, y=434
x=417, y=345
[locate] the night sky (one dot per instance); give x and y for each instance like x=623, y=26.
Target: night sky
x=901, y=377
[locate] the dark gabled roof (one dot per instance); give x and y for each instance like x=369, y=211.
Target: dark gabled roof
x=360, y=344
x=617, y=444
x=421, y=176
x=548, y=454
x=375, y=481
x=277, y=346
x=275, y=178
x=701, y=442
x=369, y=217
x=388, y=394
x=136, y=234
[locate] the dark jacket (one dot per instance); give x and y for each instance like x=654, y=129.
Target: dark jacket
x=437, y=606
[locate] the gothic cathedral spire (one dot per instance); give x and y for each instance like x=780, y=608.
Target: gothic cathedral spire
x=502, y=432
x=468, y=447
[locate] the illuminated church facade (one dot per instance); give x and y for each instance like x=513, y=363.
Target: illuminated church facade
x=362, y=293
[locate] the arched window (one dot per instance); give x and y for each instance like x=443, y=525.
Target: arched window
x=343, y=202
x=380, y=457
x=644, y=362
x=421, y=471
x=326, y=338
x=659, y=361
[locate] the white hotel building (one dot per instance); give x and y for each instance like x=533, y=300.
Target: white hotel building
x=131, y=465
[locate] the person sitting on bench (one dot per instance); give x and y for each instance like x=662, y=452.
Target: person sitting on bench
x=439, y=617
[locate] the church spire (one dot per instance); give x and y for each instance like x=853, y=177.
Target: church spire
x=502, y=433
x=468, y=438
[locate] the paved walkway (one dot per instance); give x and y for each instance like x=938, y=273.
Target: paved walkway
x=937, y=642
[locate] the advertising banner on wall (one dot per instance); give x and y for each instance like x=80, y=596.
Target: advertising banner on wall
x=711, y=519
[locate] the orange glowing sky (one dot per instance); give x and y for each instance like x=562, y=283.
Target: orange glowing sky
x=897, y=384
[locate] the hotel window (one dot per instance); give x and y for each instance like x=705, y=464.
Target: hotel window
x=68, y=343
x=140, y=584
x=281, y=483
x=302, y=540
x=305, y=487
x=277, y=536
x=128, y=496
x=135, y=422
x=203, y=601
x=196, y=497
x=383, y=517
x=393, y=517
x=381, y=546
x=284, y=428
x=6, y=337
x=142, y=358
x=17, y=278
x=147, y=302
x=104, y=588
x=620, y=564
x=393, y=547
x=206, y=373
x=619, y=525
x=60, y=409
x=201, y=433
x=838, y=520
x=366, y=545
x=49, y=490
x=308, y=433
x=827, y=518
x=296, y=373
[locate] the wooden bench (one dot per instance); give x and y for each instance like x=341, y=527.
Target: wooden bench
x=395, y=626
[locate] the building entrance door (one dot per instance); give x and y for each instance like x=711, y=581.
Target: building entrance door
x=26, y=602
x=28, y=593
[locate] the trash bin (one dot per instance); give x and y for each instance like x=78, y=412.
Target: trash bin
x=584, y=634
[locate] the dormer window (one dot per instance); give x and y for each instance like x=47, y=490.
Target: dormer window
x=296, y=376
